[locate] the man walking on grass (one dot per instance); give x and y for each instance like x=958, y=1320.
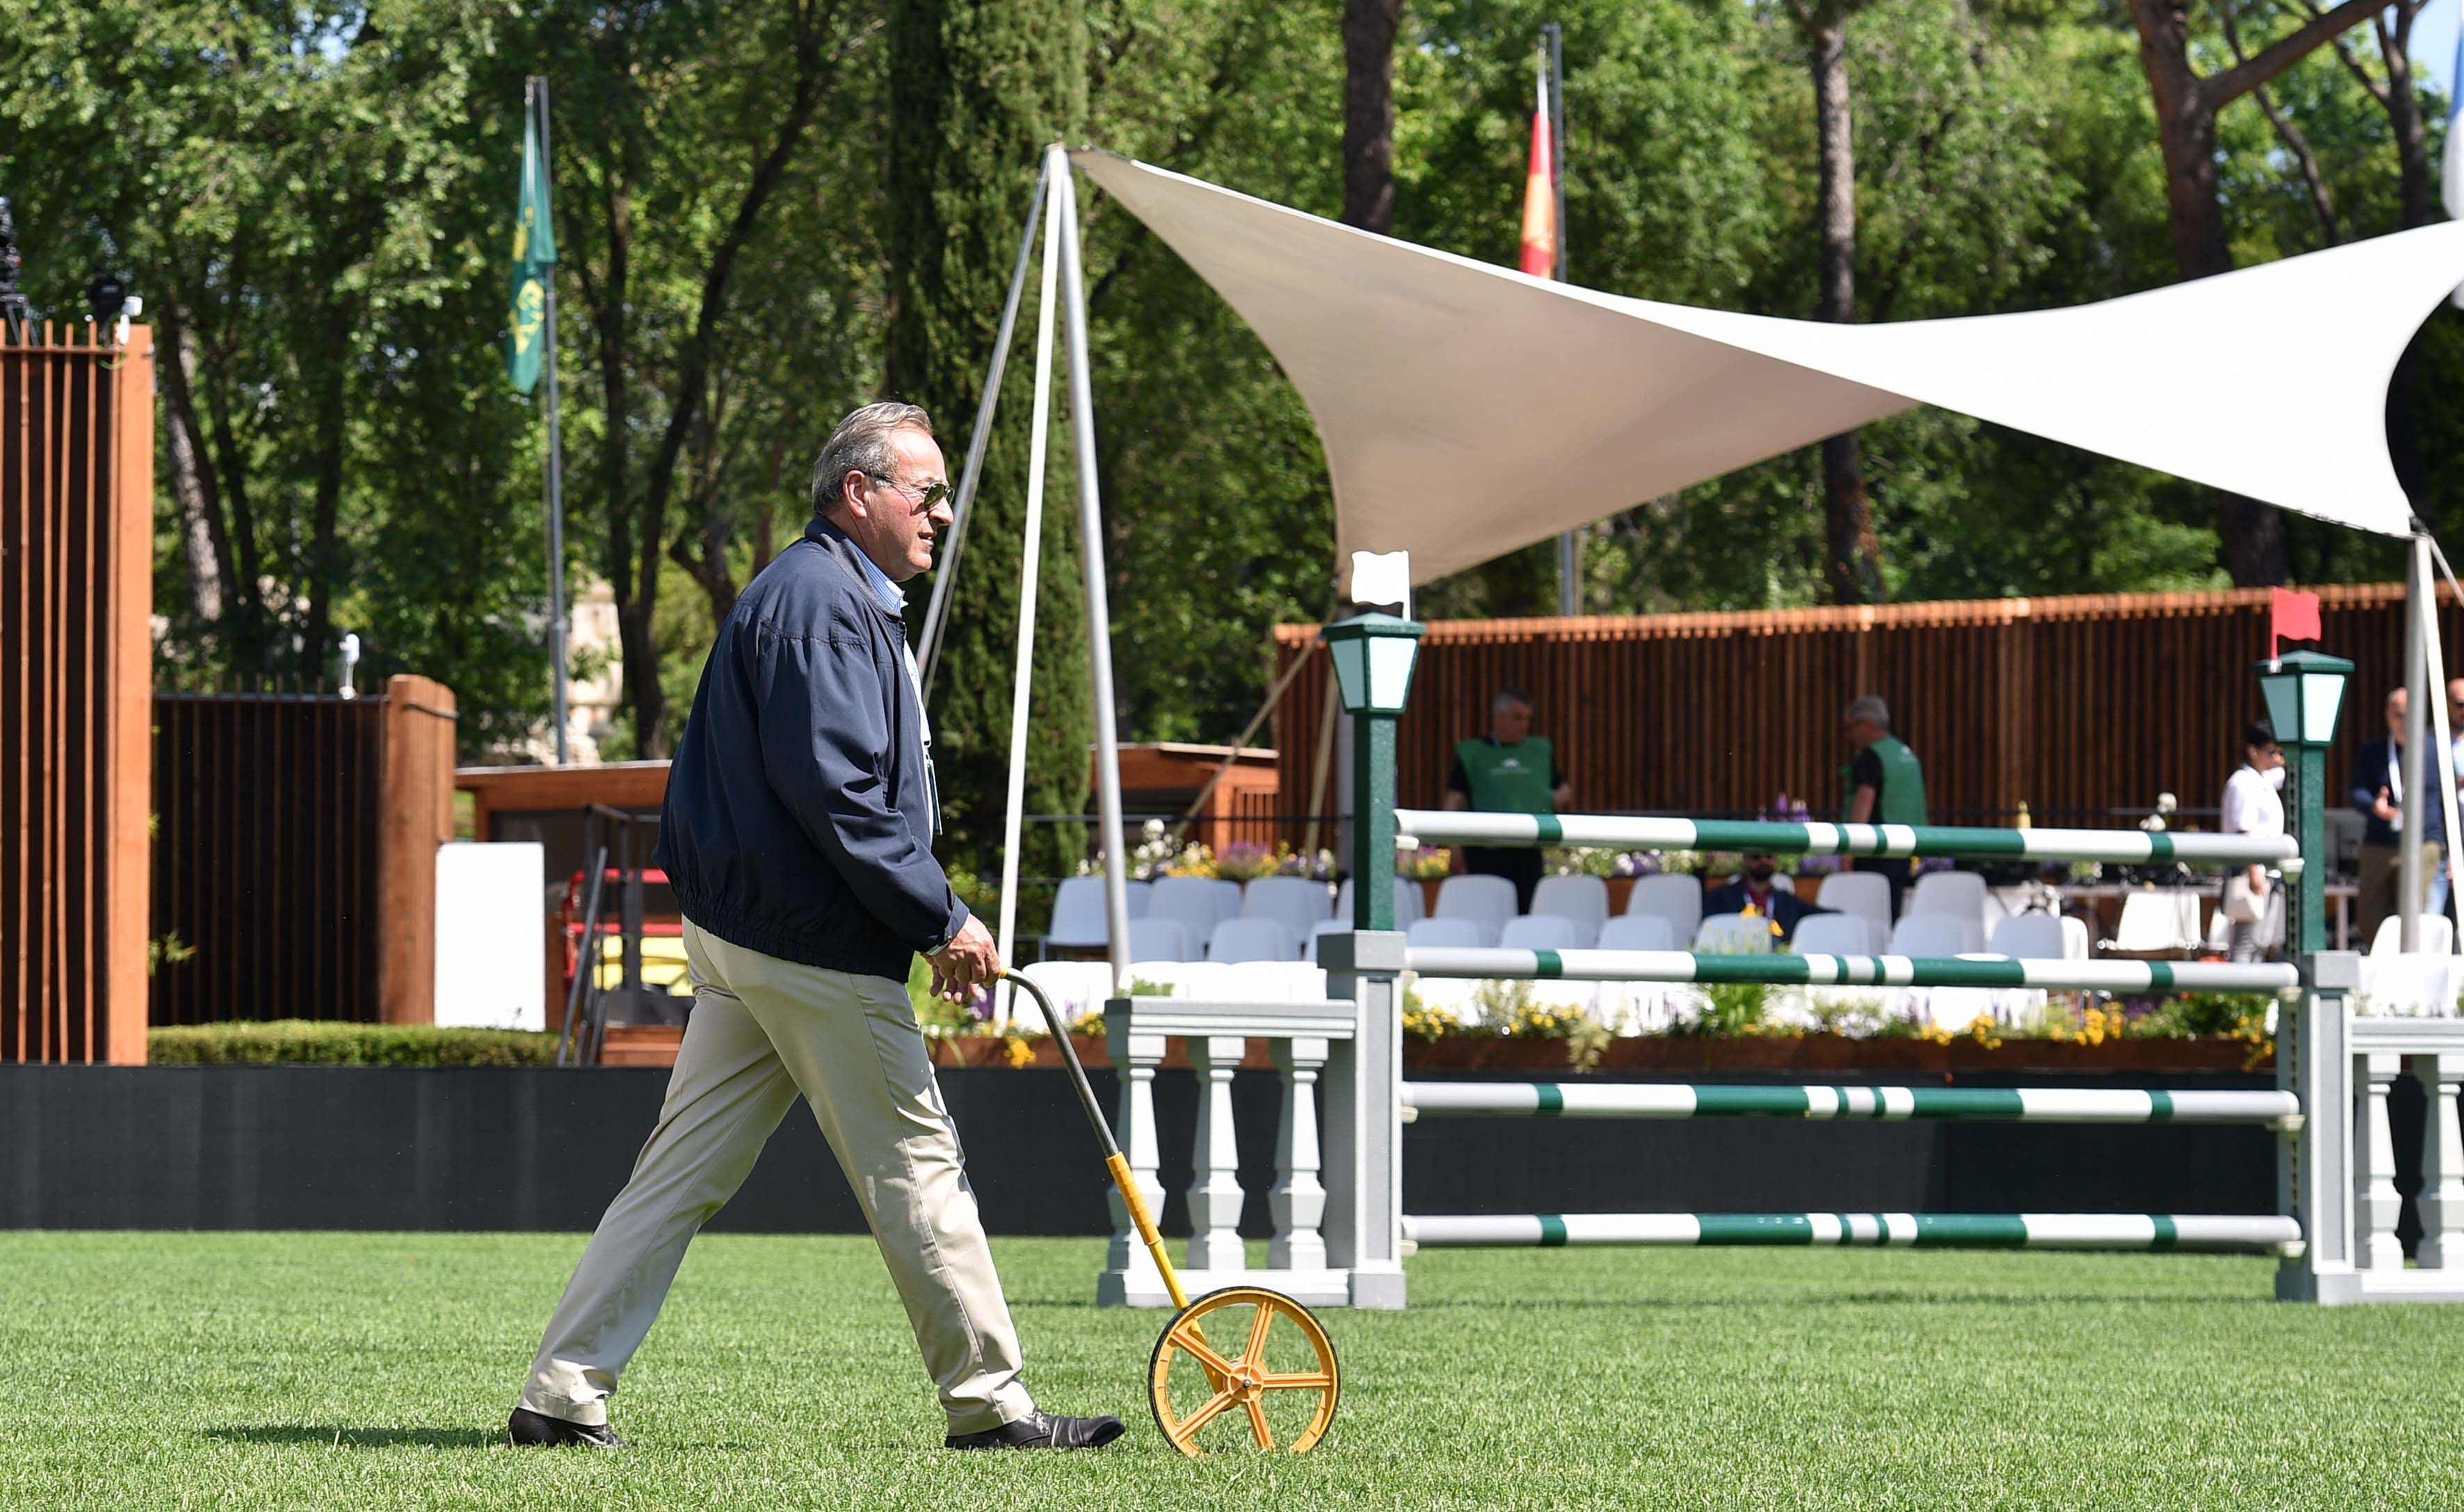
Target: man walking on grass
x=797, y=834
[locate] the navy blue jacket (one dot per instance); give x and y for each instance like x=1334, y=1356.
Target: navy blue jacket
x=2369, y=774
x=799, y=821
x=1786, y=911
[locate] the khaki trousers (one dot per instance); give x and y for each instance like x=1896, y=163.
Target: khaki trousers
x=2377, y=892
x=761, y=1030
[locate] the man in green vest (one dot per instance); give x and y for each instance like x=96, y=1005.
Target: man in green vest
x=1885, y=785
x=1507, y=770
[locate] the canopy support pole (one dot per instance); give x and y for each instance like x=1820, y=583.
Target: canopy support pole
x=937, y=612
x=2409, y=879
x=1090, y=554
x=1029, y=563
x=2442, y=748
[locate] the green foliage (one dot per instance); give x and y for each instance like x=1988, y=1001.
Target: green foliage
x=303, y=1041
x=1726, y=1009
x=317, y=205
x=976, y=88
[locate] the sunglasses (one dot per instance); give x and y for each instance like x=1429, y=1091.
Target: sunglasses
x=930, y=497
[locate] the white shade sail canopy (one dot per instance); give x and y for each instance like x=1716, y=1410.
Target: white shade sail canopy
x=1467, y=411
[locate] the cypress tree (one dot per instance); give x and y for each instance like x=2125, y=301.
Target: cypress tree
x=978, y=89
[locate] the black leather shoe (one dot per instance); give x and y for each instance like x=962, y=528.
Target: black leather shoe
x=539, y=1430
x=1042, y=1431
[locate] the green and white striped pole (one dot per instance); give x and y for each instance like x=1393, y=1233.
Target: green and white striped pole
x=2118, y=847
x=1499, y=964
x=1997, y=1231
x=1889, y=1104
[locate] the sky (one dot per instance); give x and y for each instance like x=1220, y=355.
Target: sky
x=2433, y=44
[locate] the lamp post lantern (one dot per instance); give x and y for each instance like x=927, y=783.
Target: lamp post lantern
x=1373, y=655
x=2305, y=692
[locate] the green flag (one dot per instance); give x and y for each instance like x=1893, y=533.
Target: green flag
x=534, y=256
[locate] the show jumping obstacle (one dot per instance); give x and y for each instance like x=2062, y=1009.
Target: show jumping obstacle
x=1340, y=1231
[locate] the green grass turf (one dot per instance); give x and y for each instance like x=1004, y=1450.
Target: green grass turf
x=146, y=1370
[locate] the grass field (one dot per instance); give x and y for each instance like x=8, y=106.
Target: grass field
x=149, y=1370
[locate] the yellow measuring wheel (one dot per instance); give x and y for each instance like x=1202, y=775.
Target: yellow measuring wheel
x=1275, y=1389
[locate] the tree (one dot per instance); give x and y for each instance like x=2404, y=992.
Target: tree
x=1368, y=28
x=2187, y=103
x=978, y=88
x=679, y=166
x=1851, y=564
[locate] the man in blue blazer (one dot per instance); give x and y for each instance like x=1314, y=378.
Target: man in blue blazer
x=1756, y=890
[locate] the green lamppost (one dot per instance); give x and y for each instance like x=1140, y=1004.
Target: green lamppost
x=1372, y=656
x=2305, y=692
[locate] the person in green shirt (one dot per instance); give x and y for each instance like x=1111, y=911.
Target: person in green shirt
x=1507, y=770
x=1885, y=784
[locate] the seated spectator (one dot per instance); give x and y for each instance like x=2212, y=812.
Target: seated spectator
x=1753, y=891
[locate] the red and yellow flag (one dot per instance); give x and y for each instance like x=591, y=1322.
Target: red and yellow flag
x=1540, y=194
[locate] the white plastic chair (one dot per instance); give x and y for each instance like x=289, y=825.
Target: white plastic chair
x=1296, y=903
x=1960, y=892
x=1734, y=935
x=1160, y=937
x=1866, y=894
x=1585, y=900
x=1238, y=940
x=1203, y=981
x=1637, y=931
x=1078, y=912
x=1273, y=983
x=1410, y=903
x=2437, y=937
x=1545, y=932
x=1676, y=898
x=1833, y=935
x=1936, y=935
x=2078, y=944
x=1076, y=988
x=1489, y=900
x=2029, y=937
x=1197, y=902
x=1447, y=934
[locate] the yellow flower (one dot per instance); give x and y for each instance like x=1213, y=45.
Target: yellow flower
x=1020, y=1054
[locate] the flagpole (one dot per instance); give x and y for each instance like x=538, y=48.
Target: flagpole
x=1553, y=43
x=555, y=457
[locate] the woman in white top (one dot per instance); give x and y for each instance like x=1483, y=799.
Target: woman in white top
x=2255, y=805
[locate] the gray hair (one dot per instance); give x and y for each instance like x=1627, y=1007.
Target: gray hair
x=1506, y=698
x=861, y=443
x=1870, y=707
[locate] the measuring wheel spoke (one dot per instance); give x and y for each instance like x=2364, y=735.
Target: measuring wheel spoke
x=1184, y=1433
x=1257, y=1428
x=1300, y=1381
x=1254, y=1355
x=1188, y=1338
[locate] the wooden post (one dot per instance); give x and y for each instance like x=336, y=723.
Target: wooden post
x=129, y=704
x=414, y=816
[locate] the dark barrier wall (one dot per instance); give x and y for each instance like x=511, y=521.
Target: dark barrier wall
x=353, y=1147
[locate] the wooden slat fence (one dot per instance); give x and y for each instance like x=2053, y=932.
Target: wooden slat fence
x=77, y=500
x=295, y=859
x=2084, y=708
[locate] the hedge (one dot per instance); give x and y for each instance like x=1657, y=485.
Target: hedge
x=303, y=1041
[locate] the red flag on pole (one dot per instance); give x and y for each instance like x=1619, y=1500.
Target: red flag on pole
x=2291, y=616
x=1540, y=194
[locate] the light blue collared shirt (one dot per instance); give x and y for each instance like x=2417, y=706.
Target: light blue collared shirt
x=895, y=601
